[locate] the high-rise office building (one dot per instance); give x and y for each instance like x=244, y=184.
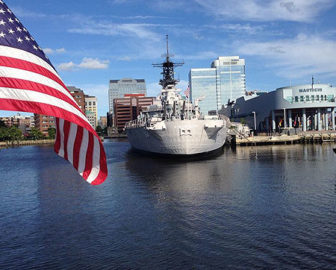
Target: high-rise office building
x=224, y=81
x=119, y=88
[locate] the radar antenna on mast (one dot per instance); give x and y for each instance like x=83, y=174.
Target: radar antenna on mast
x=168, y=69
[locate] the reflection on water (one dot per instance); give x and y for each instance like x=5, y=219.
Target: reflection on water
x=255, y=207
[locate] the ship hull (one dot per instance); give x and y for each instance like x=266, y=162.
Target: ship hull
x=179, y=137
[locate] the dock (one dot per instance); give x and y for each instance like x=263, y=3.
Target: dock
x=308, y=137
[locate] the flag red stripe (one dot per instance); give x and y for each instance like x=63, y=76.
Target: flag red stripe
x=88, y=161
x=37, y=87
x=57, y=144
x=77, y=145
x=29, y=66
x=66, y=129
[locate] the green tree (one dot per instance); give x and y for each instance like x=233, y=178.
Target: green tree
x=36, y=134
x=3, y=133
x=14, y=134
x=2, y=123
x=99, y=130
x=51, y=133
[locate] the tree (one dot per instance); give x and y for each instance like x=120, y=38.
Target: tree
x=99, y=130
x=51, y=133
x=14, y=134
x=36, y=134
x=3, y=133
x=2, y=123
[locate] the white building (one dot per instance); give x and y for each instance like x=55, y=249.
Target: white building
x=91, y=110
x=224, y=81
x=302, y=107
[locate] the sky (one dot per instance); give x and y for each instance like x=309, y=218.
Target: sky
x=91, y=42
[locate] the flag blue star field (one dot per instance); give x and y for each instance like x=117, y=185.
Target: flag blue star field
x=30, y=83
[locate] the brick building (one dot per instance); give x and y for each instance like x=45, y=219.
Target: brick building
x=128, y=108
x=44, y=122
x=78, y=96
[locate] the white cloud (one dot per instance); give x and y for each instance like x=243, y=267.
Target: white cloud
x=66, y=66
x=52, y=51
x=24, y=13
x=91, y=63
x=245, y=28
x=295, y=58
x=272, y=10
x=87, y=63
x=140, y=30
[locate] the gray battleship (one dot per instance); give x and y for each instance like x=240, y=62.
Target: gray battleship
x=173, y=125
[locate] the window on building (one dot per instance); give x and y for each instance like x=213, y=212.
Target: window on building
x=296, y=99
x=302, y=98
x=93, y=103
x=89, y=103
x=312, y=98
x=307, y=98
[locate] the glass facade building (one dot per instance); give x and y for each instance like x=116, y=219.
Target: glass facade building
x=120, y=88
x=223, y=82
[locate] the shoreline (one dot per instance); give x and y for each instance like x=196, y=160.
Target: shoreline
x=302, y=138
x=8, y=144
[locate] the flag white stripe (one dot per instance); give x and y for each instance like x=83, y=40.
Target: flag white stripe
x=27, y=56
x=15, y=73
x=82, y=152
x=95, y=161
x=71, y=141
x=60, y=128
x=28, y=95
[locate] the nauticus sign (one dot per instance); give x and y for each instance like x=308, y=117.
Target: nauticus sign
x=310, y=90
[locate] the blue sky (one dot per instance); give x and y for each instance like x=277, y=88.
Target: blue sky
x=91, y=42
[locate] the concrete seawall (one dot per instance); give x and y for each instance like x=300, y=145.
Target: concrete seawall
x=287, y=139
x=28, y=142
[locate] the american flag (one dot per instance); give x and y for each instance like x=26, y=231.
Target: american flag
x=30, y=83
x=187, y=92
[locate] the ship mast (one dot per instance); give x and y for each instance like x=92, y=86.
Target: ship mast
x=168, y=69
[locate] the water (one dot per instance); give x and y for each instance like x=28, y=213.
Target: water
x=257, y=207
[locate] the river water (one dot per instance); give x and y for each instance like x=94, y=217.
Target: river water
x=255, y=207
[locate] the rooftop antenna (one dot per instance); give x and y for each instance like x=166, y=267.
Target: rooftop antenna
x=312, y=82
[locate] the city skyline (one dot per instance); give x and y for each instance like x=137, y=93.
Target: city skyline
x=283, y=42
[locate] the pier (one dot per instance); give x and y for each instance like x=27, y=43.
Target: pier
x=306, y=137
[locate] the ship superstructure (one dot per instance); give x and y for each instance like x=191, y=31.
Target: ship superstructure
x=172, y=125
